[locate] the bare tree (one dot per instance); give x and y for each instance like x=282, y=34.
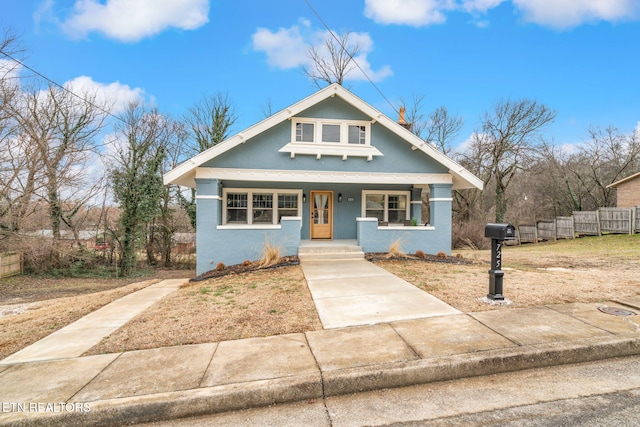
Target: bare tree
x=608, y=156
x=60, y=130
x=333, y=60
x=10, y=157
x=443, y=128
x=267, y=108
x=164, y=226
x=509, y=137
x=440, y=128
x=209, y=122
x=414, y=116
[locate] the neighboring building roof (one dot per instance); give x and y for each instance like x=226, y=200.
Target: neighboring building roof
x=629, y=178
x=184, y=174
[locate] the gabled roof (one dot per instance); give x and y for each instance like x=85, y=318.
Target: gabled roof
x=629, y=178
x=184, y=174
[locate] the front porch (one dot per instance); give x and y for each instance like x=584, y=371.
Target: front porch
x=234, y=245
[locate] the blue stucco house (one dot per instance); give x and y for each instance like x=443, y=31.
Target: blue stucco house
x=329, y=167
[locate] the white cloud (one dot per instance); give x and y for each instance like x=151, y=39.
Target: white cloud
x=562, y=14
x=416, y=13
x=288, y=48
x=558, y=14
x=481, y=6
x=115, y=96
x=285, y=48
x=133, y=20
x=465, y=146
x=10, y=73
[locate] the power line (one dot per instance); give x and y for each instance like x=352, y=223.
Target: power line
x=60, y=86
x=350, y=56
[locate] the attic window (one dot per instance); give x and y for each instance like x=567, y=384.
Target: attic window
x=330, y=137
x=357, y=134
x=304, y=132
x=329, y=131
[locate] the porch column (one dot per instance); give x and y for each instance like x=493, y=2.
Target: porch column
x=416, y=204
x=208, y=217
x=440, y=205
x=440, y=213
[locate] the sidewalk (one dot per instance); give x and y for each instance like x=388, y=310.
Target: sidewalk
x=74, y=339
x=172, y=382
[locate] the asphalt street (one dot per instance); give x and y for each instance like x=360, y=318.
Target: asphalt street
x=588, y=394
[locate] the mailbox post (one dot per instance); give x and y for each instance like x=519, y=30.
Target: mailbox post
x=498, y=234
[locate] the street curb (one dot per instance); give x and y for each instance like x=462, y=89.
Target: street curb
x=483, y=363
x=182, y=404
x=233, y=397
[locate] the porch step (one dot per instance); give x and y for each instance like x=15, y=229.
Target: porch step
x=330, y=252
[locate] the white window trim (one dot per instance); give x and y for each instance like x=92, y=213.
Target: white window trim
x=386, y=200
x=250, y=192
x=319, y=148
x=344, y=130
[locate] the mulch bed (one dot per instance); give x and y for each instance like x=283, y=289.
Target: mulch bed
x=245, y=268
x=294, y=260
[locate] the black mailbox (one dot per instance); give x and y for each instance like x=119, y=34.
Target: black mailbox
x=500, y=231
x=497, y=233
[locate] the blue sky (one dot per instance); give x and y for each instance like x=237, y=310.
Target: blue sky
x=580, y=57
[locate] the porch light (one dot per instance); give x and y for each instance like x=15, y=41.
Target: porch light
x=304, y=198
x=339, y=197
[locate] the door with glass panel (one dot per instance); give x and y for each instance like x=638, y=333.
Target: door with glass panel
x=321, y=214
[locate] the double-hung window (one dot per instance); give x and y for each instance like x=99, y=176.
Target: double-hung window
x=357, y=134
x=304, y=132
x=389, y=206
x=260, y=206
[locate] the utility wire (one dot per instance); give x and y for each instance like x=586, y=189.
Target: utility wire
x=350, y=56
x=60, y=86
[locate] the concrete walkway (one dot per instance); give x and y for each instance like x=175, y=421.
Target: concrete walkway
x=74, y=339
x=181, y=381
x=48, y=384
x=356, y=292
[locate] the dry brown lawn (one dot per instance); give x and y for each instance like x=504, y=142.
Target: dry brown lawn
x=33, y=307
x=260, y=303
x=277, y=301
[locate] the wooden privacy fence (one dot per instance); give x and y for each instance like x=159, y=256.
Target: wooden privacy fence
x=10, y=264
x=592, y=223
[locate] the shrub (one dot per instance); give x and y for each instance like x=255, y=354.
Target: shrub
x=469, y=235
x=246, y=263
x=395, y=250
x=441, y=255
x=220, y=266
x=421, y=254
x=271, y=254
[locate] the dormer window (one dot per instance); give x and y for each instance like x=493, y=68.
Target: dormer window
x=330, y=133
x=325, y=131
x=357, y=134
x=304, y=132
x=330, y=137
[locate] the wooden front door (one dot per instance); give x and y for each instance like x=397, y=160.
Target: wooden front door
x=321, y=214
